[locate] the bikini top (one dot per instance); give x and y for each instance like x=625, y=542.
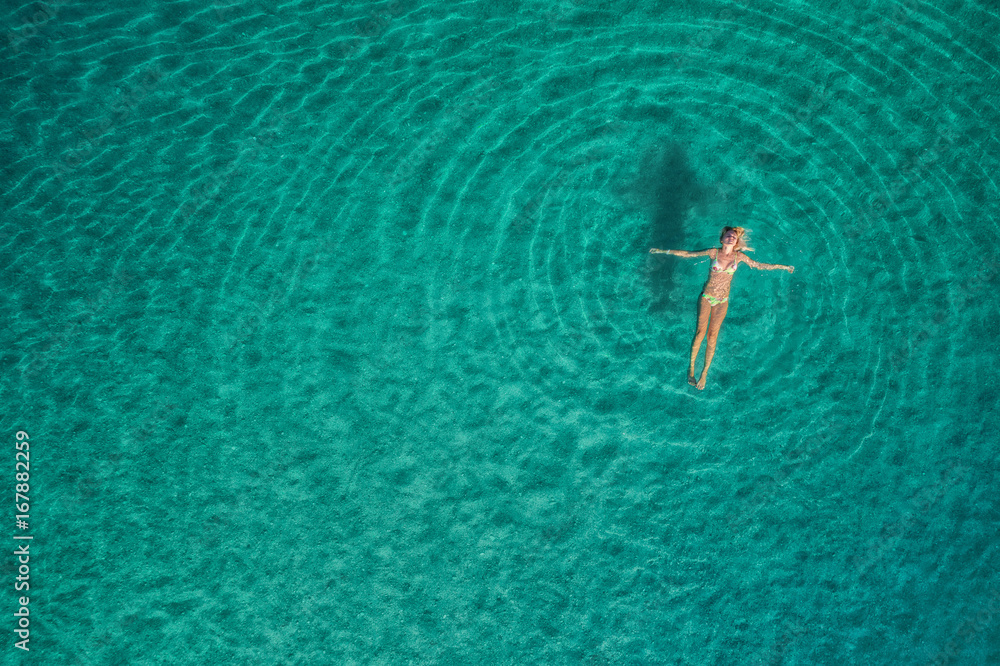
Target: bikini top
x=716, y=269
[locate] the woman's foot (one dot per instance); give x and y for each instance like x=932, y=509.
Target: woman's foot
x=701, y=383
x=691, y=380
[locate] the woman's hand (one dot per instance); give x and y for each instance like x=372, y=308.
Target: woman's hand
x=654, y=250
x=790, y=269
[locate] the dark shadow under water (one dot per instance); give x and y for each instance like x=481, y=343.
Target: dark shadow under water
x=673, y=189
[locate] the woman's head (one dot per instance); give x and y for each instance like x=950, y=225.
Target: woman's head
x=738, y=237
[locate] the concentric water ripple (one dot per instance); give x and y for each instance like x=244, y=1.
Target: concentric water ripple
x=373, y=279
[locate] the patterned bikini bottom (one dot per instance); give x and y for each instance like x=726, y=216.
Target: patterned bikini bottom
x=713, y=301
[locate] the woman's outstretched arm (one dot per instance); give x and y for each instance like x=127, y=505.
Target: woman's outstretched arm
x=764, y=267
x=682, y=253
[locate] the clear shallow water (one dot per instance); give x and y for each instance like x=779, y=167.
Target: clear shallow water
x=337, y=338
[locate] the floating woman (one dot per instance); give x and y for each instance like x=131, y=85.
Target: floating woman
x=714, y=300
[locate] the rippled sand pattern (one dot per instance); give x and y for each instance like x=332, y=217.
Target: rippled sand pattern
x=337, y=337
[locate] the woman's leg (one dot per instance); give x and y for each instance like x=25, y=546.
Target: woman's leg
x=704, y=309
x=718, y=316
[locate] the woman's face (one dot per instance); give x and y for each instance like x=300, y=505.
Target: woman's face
x=729, y=238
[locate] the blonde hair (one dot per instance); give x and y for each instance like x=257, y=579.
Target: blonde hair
x=742, y=238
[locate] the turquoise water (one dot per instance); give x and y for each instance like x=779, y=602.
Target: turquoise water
x=337, y=339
